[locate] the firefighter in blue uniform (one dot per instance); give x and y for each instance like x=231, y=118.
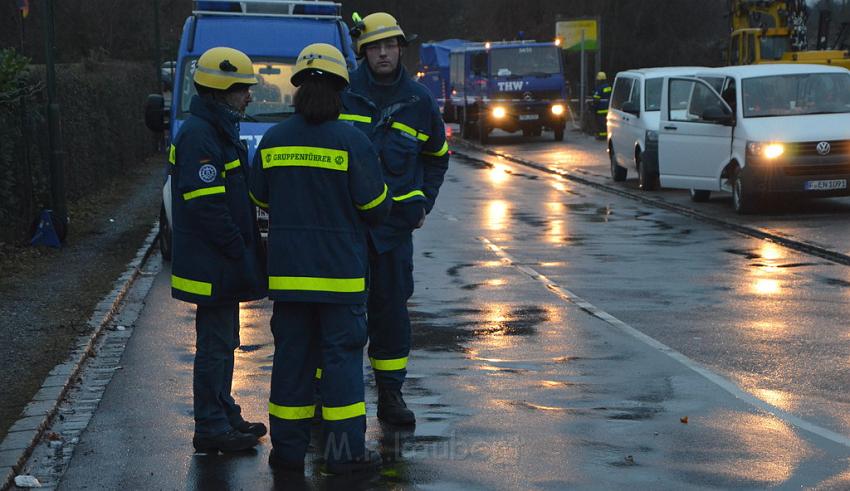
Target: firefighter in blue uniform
x=321, y=182
x=402, y=120
x=601, y=99
x=217, y=259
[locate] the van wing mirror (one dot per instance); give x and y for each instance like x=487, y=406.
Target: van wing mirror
x=156, y=114
x=719, y=114
x=630, y=107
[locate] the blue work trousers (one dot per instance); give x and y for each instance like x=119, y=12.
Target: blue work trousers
x=304, y=334
x=217, y=336
x=390, y=286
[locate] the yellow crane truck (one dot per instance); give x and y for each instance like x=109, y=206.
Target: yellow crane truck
x=774, y=31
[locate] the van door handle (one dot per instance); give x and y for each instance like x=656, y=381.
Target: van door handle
x=672, y=128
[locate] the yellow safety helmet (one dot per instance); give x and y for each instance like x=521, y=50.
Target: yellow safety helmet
x=375, y=27
x=220, y=68
x=320, y=58
x=601, y=76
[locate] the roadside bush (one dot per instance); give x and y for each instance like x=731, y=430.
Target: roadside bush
x=102, y=131
x=18, y=151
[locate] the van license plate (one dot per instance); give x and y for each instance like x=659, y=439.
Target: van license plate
x=826, y=185
x=528, y=117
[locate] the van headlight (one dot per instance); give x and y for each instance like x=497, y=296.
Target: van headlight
x=558, y=109
x=765, y=149
x=499, y=112
x=651, y=136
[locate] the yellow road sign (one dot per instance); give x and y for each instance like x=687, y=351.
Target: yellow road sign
x=570, y=32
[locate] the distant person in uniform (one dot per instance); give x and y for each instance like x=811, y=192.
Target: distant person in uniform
x=601, y=100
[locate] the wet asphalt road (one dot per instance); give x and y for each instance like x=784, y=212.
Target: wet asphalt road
x=538, y=313
x=817, y=221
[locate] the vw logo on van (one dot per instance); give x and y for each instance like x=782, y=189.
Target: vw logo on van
x=823, y=148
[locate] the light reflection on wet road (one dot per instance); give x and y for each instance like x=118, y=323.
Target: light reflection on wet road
x=769, y=318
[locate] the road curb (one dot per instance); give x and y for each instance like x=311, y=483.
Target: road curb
x=23, y=436
x=771, y=236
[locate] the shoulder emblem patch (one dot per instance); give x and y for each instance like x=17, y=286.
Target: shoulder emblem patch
x=207, y=173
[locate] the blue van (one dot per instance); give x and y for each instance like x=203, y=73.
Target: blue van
x=271, y=33
x=510, y=85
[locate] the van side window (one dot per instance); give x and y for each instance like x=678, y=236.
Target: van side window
x=635, y=97
x=689, y=101
x=622, y=91
x=653, y=94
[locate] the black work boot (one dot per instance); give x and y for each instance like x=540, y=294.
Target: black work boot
x=279, y=464
x=256, y=429
x=232, y=441
x=370, y=461
x=392, y=409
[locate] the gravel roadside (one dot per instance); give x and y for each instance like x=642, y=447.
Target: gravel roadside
x=48, y=295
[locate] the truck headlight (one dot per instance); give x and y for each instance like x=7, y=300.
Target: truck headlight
x=499, y=112
x=558, y=109
x=766, y=150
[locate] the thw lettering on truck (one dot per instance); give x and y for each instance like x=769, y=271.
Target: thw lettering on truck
x=511, y=85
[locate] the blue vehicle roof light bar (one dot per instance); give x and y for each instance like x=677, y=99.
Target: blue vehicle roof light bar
x=269, y=8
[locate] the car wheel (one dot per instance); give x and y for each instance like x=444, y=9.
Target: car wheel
x=742, y=201
x=647, y=181
x=559, y=134
x=618, y=174
x=164, y=235
x=700, y=195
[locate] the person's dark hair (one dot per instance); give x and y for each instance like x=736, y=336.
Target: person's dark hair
x=209, y=92
x=204, y=91
x=317, y=99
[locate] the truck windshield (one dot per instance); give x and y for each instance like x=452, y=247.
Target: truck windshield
x=271, y=98
x=525, y=61
x=773, y=47
x=797, y=94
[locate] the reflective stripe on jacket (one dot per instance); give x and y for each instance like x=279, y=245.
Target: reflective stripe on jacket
x=602, y=97
x=404, y=124
x=217, y=255
x=322, y=184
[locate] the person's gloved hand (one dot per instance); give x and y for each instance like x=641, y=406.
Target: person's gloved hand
x=421, y=220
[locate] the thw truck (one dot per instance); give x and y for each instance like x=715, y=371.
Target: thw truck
x=510, y=85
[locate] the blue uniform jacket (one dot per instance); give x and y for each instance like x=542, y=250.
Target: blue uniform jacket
x=404, y=124
x=321, y=185
x=602, y=97
x=217, y=256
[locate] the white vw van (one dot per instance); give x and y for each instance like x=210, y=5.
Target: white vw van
x=633, y=122
x=757, y=130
